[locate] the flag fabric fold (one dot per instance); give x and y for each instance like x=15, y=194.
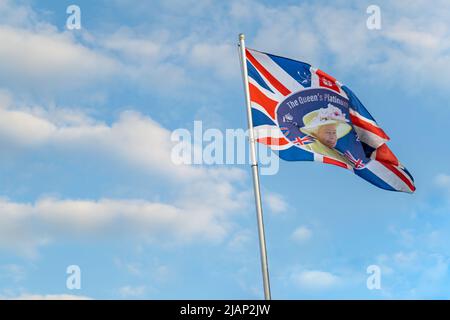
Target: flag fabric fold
x=304, y=114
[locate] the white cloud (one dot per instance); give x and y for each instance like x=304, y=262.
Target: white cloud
x=132, y=291
x=405, y=259
x=12, y=271
x=301, y=234
x=275, y=202
x=416, y=274
x=222, y=58
x=132, y=46
x=315, y=280
x=131, y=268
x=24, y=128
x=151, y=60
x=40, y=60
x=240, y=240
x=154, y=269
x=24, y=227
x=166, y=58
x=410, y=46
x=437, y=272
x=442, y=180
x=17, y=15
x=35, y=57
x=135, y=141
x=49, y=297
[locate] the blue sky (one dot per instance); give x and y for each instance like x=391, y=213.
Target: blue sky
x=86, y=175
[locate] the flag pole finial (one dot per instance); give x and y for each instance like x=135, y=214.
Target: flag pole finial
x=241, y=36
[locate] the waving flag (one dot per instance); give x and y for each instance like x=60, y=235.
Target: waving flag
x=304, y=114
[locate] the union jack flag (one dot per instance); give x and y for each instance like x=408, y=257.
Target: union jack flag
x=273, y=79
x=357, y=163
x=303, y=141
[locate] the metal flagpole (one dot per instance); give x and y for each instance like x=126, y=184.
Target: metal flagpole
x=254, y=165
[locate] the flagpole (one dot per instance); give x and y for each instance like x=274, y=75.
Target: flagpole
x=254, y=166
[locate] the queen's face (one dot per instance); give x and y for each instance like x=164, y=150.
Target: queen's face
x=327, y=135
